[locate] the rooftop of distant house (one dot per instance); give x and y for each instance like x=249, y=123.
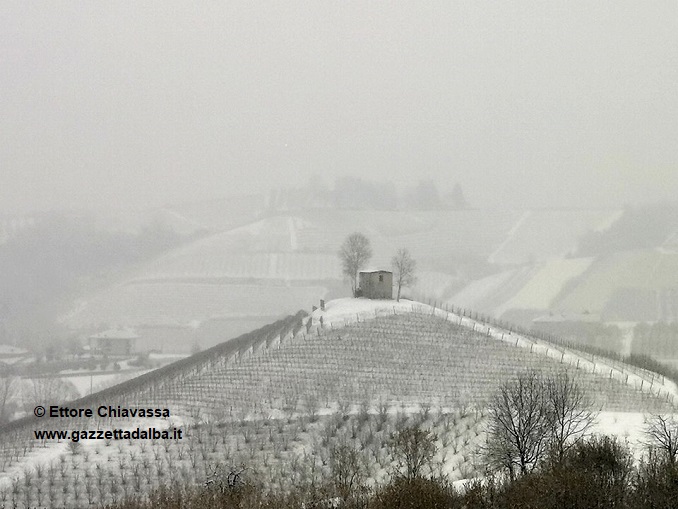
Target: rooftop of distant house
x=116, y=334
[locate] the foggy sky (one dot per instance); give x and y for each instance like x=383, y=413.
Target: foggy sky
x=524, y=103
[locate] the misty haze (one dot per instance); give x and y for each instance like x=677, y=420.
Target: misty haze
x=309, y=233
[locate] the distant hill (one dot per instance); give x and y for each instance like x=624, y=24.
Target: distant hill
x=637, y=228
x=624, y=270
x=290, y=258
x=626, y=285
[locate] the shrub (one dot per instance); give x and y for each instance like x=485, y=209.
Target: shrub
x=416, y=493
x=656, y=483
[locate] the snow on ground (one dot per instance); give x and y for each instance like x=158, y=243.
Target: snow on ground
x=509, y=236
x=434, y=283
x=344, y=311
x=38, y=456
x=85, y=383
x=627, y=426
x=540, y=291
x=475, y=294
x=105, y=451
x=606, y=222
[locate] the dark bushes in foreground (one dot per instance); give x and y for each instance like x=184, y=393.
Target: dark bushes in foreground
x=419, y=493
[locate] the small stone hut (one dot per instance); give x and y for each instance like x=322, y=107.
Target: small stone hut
x=376, y=284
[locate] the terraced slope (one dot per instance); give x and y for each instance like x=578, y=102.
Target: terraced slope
x=403, y=359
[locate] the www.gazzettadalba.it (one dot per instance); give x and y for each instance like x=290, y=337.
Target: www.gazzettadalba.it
x=115, y=434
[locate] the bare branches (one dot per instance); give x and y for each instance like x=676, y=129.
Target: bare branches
x=403, y=269
x=348, y=470
x=519, y=425
x=354, y=254
x=413, y=449
x=662, y=435
x=217, y=480
x=571, y=413
x=532, y=416
x=7, y=388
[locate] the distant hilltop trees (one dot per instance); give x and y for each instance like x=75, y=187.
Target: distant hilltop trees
x=358, y=193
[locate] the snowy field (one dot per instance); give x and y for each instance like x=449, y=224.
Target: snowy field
x=541, y=290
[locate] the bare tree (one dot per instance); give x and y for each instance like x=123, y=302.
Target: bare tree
x=312, y=405
x=413, y=449
x=7, y=388
x=348, y=471
x=49, y=390
x=662, y=434
x=354, y=254
x=216, y=479
x=571, y=413
x=532, y=416
x=519, y=425
x=403, y=269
